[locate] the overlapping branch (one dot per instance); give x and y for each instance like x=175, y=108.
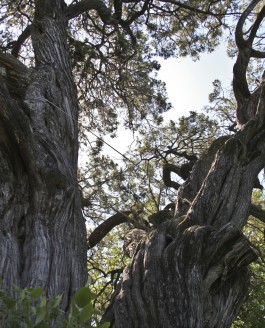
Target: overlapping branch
x=103, y=11
x=113, y=221
x=246, y=52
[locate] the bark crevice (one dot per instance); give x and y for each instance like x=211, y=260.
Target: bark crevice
x=43, y=243
x=201, y=265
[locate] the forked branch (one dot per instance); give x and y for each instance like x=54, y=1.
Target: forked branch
x=246, y=52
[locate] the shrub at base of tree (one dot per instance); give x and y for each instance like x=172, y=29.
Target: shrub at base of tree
x=30, y=308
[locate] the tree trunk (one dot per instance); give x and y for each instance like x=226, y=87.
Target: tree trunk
x=43, y=234
x=192, y=271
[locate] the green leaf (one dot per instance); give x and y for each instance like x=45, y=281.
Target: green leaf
x=105, y=325
x=22, y=294
x=25, y=306
x=43, y=301
x=9, y=302
x=83, y=297
x=86, y=313
x=2, y=293
x=35, y=292
x=89, y=281
x=56, y=301
x=40, y=314
x=41, y=325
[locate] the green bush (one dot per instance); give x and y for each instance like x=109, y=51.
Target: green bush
x=30, y=308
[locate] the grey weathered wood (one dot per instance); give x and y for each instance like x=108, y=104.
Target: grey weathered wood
x=43, y=234
x=192, y=271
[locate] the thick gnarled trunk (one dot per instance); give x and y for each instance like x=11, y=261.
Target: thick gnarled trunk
x=43, y=235
x=197, y=278
x=192, y=271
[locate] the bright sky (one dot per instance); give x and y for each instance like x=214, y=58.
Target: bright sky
x=188, y=84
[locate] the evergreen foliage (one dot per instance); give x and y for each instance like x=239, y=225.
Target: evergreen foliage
x=29, y=307
x=113, y=53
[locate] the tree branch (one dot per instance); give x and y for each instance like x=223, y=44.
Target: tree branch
x=240, y=84
x=21, y=39
x=118, y=9
x=256, y=25
x=240, y=42
x=182, y=154
x=11, y=63
x=138, y=13
x=257, y=54
x=86, y=5
x=183, y=170
x=167, y=169
x=257, y=212
x=104, y=228
x=194, y=9
x=17, y=75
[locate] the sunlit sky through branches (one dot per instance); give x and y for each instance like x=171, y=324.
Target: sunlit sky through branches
x=189, y=84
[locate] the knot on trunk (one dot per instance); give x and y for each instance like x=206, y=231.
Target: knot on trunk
x=160, y=217
x=131, y=241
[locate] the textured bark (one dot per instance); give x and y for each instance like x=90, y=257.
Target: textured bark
x=192, y=270
x=195, y=278
x=43, y=234
x=189, y=271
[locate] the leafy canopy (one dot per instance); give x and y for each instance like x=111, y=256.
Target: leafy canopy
x=114, y=47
